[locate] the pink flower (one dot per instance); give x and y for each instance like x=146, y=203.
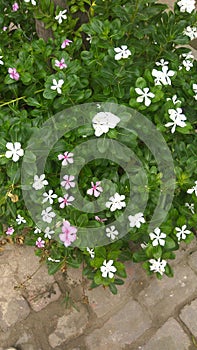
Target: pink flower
x=4, y=28
x=69, y=233
x=68, y=183
x=40, y=242
x=65, y=201
x=10, y=231
x=60, y=64
x=15, y=7
x=66, y=43
x=13, y=73
x=95, y=190
x=67, y=158
x=97, y=218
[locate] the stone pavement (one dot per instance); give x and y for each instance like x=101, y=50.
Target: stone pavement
x=42, y=312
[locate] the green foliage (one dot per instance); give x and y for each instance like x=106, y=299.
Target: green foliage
x=92, y=74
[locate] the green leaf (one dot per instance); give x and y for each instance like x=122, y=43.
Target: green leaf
x=113, y=288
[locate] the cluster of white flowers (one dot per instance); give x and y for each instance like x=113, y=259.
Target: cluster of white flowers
x=103, y=121
x=186, y=5
x=191, y=32
x=187, y=61
x=162, y=76
x=178, y=119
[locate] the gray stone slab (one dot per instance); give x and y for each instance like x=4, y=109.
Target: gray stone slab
x=192, y=260
x=169, y=337
x=69, y=326
x=161, y=297
x=189, y=316
x=122, y=329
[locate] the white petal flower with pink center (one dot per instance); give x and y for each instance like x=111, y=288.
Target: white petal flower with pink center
x=103, y=121
x=39, y=182
x=95, y=190
x=136, y=220
x=178, y=119
x=65, y=201
x=146, y=96
x=157, y=237
x=158, y=265
x=68, y=182
x=122, y=52
x=186, y=5
x=182, y=232
x=108, y=269
x=48, y=215
x=50, y=196
x=13, y=73
x=14, y=151
x=67, y=158
x=116, y=202
x=61, y=15
x=40, y=243
x=60, y=64
x=57, y=85
x=68, y=235
x=193, y=189
x=65, y=43
x=97, y=218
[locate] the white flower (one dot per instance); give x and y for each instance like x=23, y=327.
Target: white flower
x=48, y=233
x=61, y=15
x=157, y=237
x=103, y=121
x=146, y=96
x=39, y=182
x=89, y=38
x=162, y=63
x=57, y=85
x=32, y=1
x=191, y=32
x=188, y=60
x=157, y=265
x=136, y=220
x=37, y=230
x=1, y=62
x=182, y=232
x=177, y=119
x=14, y=151
x=116, y=202
x=108, y=269
x=174, y=99
x=163, y=76
x=194, y=86
x=47, y=215
x=186, y=5
x=49, y=196
x=122, y=52
x=190, y=207
x=91, y=252
x=193, y=189
x=111, y=232
x=20, y=219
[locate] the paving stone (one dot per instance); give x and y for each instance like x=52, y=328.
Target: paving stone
x=192, y=260
x=103, y=301
x=189, y=316
x=40, y=289
x=169, y=337
x=69, y=326
x=13, y=307
x=161, y=297
x=121, y=329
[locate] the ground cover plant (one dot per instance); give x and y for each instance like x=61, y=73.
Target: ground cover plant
x=104, y=53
